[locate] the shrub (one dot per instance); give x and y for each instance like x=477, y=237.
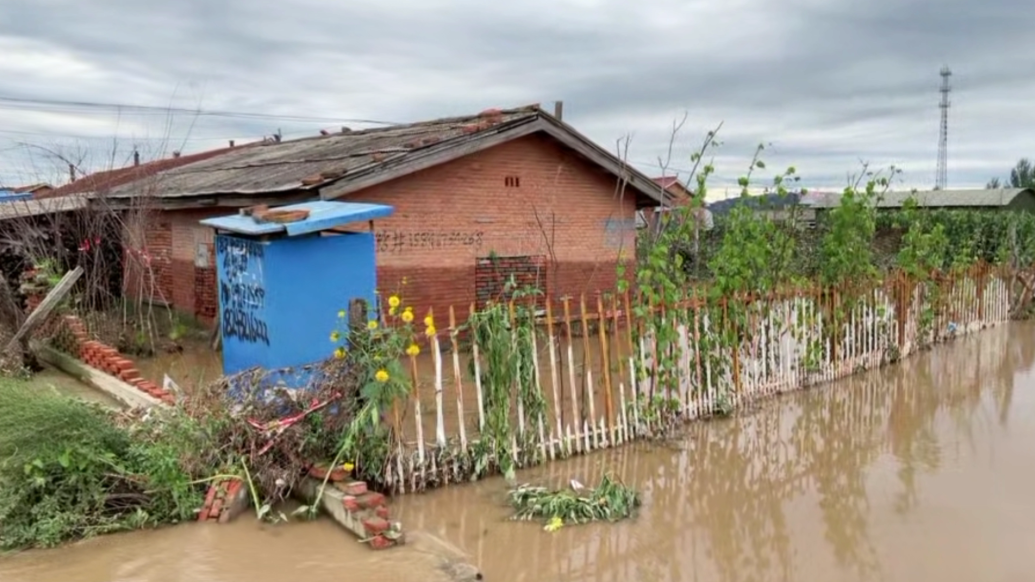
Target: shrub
x=70, y=469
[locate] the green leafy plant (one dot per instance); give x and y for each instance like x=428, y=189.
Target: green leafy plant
x=505, y=333
x=69, y=470
x=611, y=500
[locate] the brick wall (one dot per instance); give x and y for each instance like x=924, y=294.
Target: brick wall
x=528, y=197
x=493, y=275
x=172, y=258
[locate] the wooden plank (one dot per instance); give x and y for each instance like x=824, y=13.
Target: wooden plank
x=39, y=315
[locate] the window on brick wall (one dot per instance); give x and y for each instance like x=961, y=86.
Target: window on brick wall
x=512, y=182
x=493, y=276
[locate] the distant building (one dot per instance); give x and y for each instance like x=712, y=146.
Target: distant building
x=1001, y=199
x=772, y=206
x=34, y=190
x=679, y=197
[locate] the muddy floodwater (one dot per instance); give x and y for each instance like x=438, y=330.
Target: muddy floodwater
x=921, y=471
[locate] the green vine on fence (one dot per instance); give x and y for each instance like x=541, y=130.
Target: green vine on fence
x=505, y=335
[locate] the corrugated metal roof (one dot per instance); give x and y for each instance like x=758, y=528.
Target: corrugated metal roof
x=35, y=207
x=323, y=215
x=311, y=162
x=983, y=198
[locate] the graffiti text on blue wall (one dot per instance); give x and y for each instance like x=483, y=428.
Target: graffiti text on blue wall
x=241, y=292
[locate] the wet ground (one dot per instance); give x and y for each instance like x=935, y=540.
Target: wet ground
x=53, y=379
x=920, y=471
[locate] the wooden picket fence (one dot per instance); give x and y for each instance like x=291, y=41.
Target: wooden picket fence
x=596, y=364
x=738, y=469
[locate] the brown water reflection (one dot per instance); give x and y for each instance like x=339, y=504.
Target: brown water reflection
x=917, y=472
x=243, y=551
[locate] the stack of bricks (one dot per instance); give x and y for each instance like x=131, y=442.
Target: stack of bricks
x=367, y=509
x=108, y=359
x=225, y=500
x=49, y=327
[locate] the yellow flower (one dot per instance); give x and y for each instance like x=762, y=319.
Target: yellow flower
x=339, y=353
x=341, y=314
x=372, y=324
x=381, y=376
x=348, y=466
x=335, y=336
x=393, y=301
x=391, y=311
x=554, y=524
x=407, y=315
x=429, y=322
x=430, y=331
x=413, y=350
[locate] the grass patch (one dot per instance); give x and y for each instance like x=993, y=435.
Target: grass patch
x=70, y=469
x=611, y=501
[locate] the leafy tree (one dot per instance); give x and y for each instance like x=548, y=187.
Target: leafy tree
x=1023, y=174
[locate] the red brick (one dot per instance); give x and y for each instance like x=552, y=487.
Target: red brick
x=350, y=504
x=382, y=512
x=210, y=496
x=339, y=474
x=355, y=488
x=375, y=525
x=318, y=472
x=123, y=364
x=234, y=488
x=370, y=500
x=130, y=375
x=380, y=542
x=217, y=507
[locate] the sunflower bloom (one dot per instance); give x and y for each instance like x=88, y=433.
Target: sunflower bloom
x=430, y=331
x=341, y=314
x=554, y=524
x=413, y=350
x=339, y=353
x=407, y=315
x=372, y=324
x=393, y=301
x=381, y=376
x=335, y=336
x=429, y=321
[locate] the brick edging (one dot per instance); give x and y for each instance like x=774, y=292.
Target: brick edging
x=367, y=511
x=107, y=359
x=225, y=499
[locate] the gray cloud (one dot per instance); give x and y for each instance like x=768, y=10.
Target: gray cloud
x=828, y=82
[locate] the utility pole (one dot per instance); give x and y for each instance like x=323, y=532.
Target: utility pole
x=941, y=178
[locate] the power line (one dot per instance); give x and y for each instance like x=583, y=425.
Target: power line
x=62, y=106
x=56, y=135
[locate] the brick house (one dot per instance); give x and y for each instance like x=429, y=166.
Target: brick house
x=477, y=198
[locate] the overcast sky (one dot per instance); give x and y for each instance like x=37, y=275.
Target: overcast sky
x=826, y=82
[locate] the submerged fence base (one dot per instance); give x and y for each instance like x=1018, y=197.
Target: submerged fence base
x=718, y=363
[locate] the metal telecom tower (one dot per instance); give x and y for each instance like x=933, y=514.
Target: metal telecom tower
x=942, y=173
